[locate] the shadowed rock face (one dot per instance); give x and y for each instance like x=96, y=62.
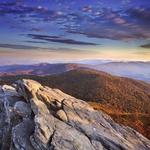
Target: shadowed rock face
x=33, y=117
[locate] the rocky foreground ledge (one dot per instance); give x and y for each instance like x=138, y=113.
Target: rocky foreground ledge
x=34, y=117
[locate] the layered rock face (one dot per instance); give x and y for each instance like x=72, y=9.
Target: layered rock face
x=33, y=117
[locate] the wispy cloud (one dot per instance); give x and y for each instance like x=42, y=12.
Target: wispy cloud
x=36, y=42
x=19, y=8
x=146, y=46
x=15, y=46
x=59, y=39
x=126, y=25
x=140, y=14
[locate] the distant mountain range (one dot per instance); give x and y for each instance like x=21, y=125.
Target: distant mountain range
x=135, y=70
x=37, y=69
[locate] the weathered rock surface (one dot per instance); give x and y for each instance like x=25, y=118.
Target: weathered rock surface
x=23, y=109
x=33, y=117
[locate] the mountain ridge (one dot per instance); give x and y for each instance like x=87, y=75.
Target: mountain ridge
x=136, y=70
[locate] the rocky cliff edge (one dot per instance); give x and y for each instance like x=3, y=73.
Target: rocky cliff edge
x=34, y=117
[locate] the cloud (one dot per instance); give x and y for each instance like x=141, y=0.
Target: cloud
x=90, y=20
x=140, y=13
x=19, y=8
x=126, y=24
x=111, y=33
x=119, y=20
x=15, y=46
x=36, y=29
x=58, y=39
x=36, y=42
x=114, y=25
x=146, y=46
x=25, y=12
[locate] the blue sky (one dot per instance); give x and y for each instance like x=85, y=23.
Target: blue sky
x=74, y=29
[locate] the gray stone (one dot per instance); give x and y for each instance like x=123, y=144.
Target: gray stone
x=9, y=90
x=21, y=135
x=23, y=109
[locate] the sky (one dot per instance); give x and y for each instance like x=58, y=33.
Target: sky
x=33, y=31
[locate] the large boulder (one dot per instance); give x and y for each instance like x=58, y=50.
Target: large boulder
x=51, y=119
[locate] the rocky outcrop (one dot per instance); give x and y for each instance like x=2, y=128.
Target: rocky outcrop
x=33, y=117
